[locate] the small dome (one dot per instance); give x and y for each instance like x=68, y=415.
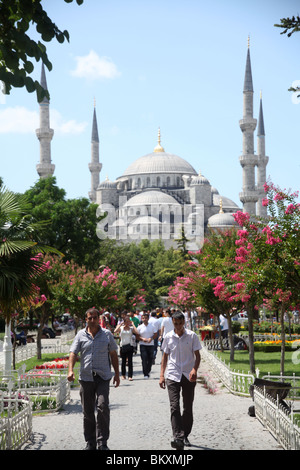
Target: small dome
x=221, y=220
x=199, y=180
x=107, y=184
x=151, y=197
x=227, y=203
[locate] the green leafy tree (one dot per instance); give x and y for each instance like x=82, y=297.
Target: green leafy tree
x=73, y=222
x=20, y=265
x=17, y=48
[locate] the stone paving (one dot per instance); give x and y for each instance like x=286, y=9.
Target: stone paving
x=140, y=419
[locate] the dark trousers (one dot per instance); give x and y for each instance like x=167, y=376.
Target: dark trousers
x=127, y=357
x=147, y=358
x=95, y=395
x=181, y=423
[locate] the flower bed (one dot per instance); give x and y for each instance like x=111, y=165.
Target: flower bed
x=275, y=346
x=58, y=363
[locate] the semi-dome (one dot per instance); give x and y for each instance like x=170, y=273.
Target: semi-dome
x=151, y=197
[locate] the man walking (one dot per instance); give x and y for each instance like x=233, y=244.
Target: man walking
x=98, y=349
x=181, y=353
x=147, y=334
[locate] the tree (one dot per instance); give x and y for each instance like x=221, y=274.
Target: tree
x=16, y=46
x=271, y=256
x=290, y=26
x=20, y=265
x=73, y=222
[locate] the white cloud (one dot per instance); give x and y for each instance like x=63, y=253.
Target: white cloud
x=61, y=126
x=93, y=67
x=20, y=120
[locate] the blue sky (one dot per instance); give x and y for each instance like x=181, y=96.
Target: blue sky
x=174, y=64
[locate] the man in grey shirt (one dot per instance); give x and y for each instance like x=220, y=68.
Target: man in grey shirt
x=98, y=350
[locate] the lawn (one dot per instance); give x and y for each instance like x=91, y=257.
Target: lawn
x=265, y=361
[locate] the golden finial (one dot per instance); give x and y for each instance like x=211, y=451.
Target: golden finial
x=159, y=148
x=260, y=94
x=221, y=207
x=94, y=102
x=248, y=41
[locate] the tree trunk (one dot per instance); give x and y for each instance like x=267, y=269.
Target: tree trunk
x=251, y=338
x=230, y=335
x=220, y=334
x=282, y=310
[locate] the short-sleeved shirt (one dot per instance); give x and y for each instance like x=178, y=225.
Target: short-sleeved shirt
x=146, y=331
x=181, y=352
x=94, y=353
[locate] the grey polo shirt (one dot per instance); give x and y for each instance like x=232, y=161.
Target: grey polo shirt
x=94, y=353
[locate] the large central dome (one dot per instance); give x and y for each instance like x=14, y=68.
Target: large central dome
x=159, y=161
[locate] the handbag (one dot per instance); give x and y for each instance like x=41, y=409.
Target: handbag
x=126, y=348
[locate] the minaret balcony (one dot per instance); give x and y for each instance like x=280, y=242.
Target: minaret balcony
x=45, y=169
x=248, y=196
x=248, y=124
x=44, y=134
x=249, y=160
x=95, y=166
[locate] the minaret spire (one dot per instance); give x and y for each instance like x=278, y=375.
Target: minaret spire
x=45, y=168
x=262, y=162
x=95, y=166
x=248, y=160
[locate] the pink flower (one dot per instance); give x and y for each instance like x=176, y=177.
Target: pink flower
x=265, y=202
x=290, y=209
x=104, y=284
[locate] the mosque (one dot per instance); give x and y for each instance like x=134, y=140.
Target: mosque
x=160, y=194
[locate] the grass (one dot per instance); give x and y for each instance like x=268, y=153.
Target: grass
x=33, y=361
x=264, y=361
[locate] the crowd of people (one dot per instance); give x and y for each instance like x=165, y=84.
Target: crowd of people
x=166, y=330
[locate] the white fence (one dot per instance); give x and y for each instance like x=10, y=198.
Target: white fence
x=276, y=418
x=49, y=345
x=38, y=390
x=237, y=382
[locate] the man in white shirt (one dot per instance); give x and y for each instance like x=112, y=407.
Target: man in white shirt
x=181, y=353
x=147, y=334
x=156, y=323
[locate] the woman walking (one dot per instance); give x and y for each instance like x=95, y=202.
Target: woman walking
x=127, y=331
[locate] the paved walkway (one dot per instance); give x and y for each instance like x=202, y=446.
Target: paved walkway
x=140, y=419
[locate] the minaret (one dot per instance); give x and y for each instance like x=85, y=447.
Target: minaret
x=262, y=162
x=248, y=160
x=95, y=166
x=45, y=168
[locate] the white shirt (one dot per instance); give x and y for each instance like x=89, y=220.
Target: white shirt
x=181, y=352
x=155, y=322
x=146, y=332
x=167, y=323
